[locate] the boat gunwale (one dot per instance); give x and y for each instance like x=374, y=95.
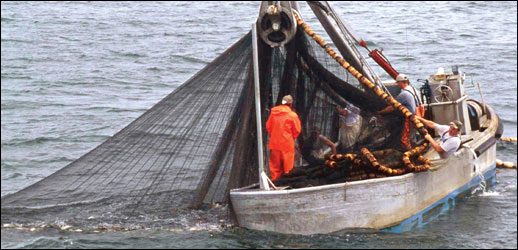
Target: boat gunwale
x=242, y=192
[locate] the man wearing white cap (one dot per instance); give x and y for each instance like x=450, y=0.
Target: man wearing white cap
x=350, y=123
x=409, y=98
x=450, y=140
x=284, y=126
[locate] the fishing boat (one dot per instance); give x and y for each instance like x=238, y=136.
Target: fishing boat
x=392, y=203
x=203, y=143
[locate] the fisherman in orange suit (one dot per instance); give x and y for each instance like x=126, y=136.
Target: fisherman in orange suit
x=283, y=125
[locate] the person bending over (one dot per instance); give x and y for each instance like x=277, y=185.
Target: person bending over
x=450, y=140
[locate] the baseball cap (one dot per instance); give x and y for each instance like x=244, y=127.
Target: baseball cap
x=287, y=99
x=401, y=77
x=456, y=124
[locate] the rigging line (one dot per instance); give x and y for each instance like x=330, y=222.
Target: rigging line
x=350, y=36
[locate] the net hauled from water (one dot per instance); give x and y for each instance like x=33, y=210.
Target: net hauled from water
x=161, y=159
x=200, y=141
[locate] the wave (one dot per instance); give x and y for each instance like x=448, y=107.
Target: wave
x=12, y=176
x=43, y=140
x=466, y=35
x=58, y=205
x=155, y=69
x=119, y=110
x=17, y=40
x=30, y=142
x=128, y=54
x=190, y=59
x=6, y=19
x=4, y=76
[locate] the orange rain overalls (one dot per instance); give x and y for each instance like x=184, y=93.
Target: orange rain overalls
x=283, y=125
x=405, y=140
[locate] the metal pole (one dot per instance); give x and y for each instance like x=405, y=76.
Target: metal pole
x=340, y=43
x=482, y=98
x=260, y=153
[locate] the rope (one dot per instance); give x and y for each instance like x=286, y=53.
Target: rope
x=390, y=100
x=363, y=80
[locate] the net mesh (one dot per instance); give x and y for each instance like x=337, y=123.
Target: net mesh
x=200, y=141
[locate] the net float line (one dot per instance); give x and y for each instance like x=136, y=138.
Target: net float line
x=505, y=164
x=379, y=92
x=415, y=153
x=335, y=160
x=342, y=157
x=509, y=139
x=381, y=168
x=363, y=80
x=331, y=164
x=383, y=152
x=358, y=167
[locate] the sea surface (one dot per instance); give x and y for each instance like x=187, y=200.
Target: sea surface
x=75, y=73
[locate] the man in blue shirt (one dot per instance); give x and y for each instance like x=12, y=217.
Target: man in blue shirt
x=409, y=98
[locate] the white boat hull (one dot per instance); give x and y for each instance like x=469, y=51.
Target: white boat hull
x=394, y=203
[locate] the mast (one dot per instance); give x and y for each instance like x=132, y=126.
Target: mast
x=260, y=154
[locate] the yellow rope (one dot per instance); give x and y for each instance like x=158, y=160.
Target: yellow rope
x=363, y=80
x=379, y=92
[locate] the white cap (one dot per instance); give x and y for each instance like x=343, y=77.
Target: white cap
x=287, y=99
x=401, y=77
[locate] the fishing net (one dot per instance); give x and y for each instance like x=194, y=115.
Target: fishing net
x=200, y=141
x=161, y=161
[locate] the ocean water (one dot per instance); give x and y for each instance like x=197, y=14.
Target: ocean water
x=75, y=73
